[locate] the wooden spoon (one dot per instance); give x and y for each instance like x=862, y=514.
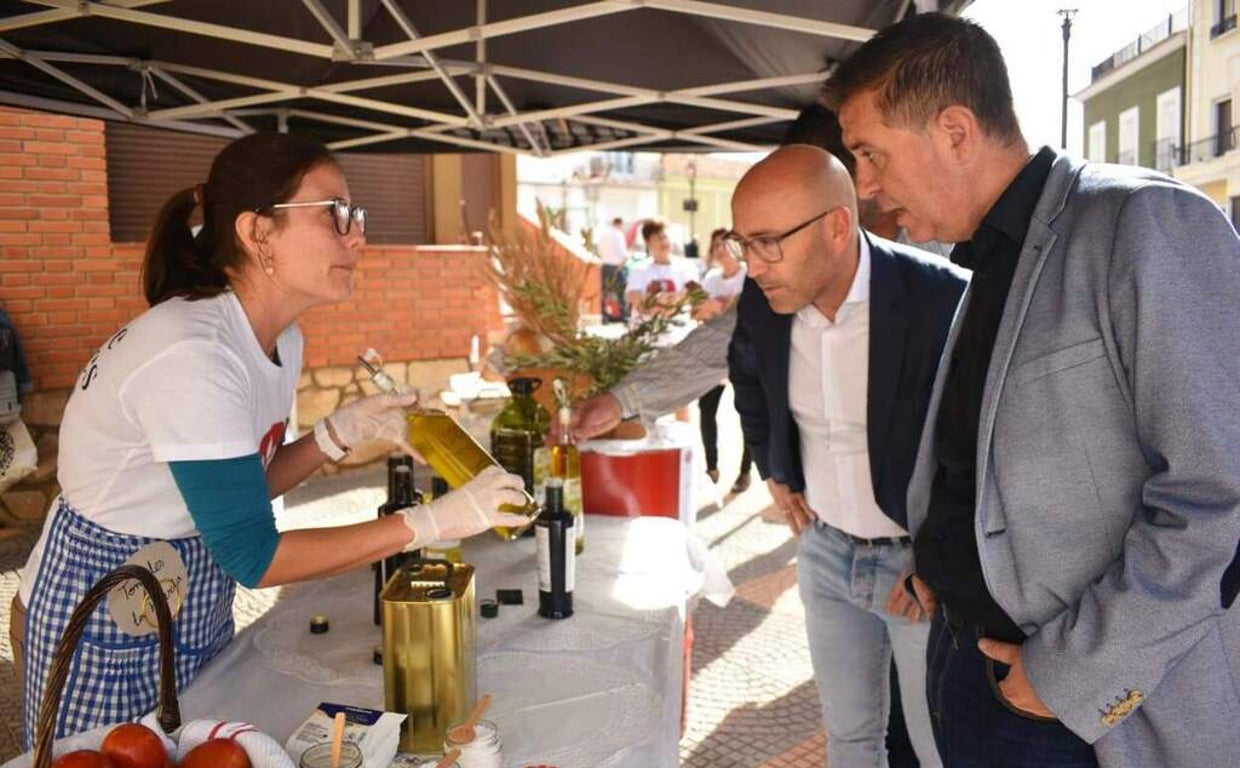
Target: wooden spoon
x=464, y=733
x=337, y=738
x=449, y=758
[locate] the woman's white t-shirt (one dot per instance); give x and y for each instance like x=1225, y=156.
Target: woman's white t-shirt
x=185, y=381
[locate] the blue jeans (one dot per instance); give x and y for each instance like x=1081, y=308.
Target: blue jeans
x=852, y=638
x=974, y=727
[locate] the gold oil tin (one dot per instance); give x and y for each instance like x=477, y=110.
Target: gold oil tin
x=429, y=639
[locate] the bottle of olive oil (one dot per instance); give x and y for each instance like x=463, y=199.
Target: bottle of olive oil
x=519, y=431
x=566, y=465
x=458, y=458
x=401, y=494
x=557, y=558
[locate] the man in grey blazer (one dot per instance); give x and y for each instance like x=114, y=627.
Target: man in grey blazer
x=1076, y=501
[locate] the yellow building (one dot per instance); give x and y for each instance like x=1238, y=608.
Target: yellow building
x=1210, y=159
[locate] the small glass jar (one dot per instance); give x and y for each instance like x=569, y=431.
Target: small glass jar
x=485, y=751
x=320, y=756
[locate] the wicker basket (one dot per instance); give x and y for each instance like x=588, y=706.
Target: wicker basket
x=169, y=717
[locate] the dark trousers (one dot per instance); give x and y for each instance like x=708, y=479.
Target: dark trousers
x=708, y=404
x=973, y=726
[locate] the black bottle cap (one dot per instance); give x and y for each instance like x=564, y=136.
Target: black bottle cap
x=524, y=385
x=439, y=487
x=377, y=655
x=489, y=608
x=510, y=596
x=319, y=624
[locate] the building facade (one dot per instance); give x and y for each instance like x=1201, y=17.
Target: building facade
x=1210, y=159
x=1134, y=104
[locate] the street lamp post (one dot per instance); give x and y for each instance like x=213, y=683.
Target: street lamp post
x=1067, y=14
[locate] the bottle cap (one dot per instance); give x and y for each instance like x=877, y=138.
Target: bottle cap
x=489, y=608
x=377, y=655
x=524, y=385
x=439, y=486
x=510, y=596
x=319, y=624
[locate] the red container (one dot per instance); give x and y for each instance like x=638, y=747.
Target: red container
x=636, y=483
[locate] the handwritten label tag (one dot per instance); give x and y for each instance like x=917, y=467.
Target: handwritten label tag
x=128, y=603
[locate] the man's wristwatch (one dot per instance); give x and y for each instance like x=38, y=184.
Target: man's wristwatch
x=323, y=439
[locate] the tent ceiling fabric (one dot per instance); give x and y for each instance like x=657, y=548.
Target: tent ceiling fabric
x=535, y=76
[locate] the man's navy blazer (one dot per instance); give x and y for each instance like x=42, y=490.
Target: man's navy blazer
x=913, y=297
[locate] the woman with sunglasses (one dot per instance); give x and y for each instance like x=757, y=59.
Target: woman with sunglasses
x=172, y=442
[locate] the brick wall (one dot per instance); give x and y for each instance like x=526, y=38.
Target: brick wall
x=67, y=286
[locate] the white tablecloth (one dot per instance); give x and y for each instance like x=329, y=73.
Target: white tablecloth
x=602, y=689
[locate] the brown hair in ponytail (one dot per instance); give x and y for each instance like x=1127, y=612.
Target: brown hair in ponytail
x=252, y=172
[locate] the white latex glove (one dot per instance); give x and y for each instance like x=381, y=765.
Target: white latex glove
x=470, y=509
x=374, y=417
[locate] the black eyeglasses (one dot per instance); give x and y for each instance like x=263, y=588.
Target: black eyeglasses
x=766, y=247
x=343, y=214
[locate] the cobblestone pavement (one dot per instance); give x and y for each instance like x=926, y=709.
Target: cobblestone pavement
x=752, y=700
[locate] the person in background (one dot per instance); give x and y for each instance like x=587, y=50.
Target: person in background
x=837, y=340
x=614, y=252
x=725, y=276
x=172, y=442
x=664, y=277
x=1076, y=499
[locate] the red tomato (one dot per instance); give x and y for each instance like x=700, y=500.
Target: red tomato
x=84, y=758
x=217, y=753
x=135, y=746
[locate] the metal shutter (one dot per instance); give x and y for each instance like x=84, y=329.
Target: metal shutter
x=147, y=165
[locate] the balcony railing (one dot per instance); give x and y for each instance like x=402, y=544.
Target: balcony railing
x=1210, y=147
x=1150, y=38
x=1226, y=25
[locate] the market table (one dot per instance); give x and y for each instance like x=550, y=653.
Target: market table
x=601, y=689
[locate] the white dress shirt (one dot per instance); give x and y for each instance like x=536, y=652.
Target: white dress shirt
x=828, y=376
x=612, y=248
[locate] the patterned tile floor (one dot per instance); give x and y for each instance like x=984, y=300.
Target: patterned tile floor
x=752, y=701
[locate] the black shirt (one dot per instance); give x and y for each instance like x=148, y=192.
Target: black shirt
x=946, y=547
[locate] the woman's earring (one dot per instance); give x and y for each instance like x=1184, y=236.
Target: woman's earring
x=268, y=264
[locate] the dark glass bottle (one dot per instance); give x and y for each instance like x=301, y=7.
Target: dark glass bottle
x=401, y=494
x=557, y=555
x=520, y=429
x=518, y=438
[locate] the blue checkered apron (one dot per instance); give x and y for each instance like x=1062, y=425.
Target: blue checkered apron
x=114, y=677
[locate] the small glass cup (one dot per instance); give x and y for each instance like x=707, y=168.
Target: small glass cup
x=320, y=756
x=485, y=751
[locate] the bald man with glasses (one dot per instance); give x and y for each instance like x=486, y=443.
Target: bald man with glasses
x=837, y=341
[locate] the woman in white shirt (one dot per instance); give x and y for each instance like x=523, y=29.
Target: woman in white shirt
x=171, y=445
x=725, y=276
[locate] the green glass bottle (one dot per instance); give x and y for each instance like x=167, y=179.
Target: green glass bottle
x=519, y=433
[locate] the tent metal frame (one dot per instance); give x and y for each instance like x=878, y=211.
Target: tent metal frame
x=418, y=55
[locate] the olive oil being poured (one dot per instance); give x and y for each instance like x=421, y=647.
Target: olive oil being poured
x=458, y=458
x=450, y=450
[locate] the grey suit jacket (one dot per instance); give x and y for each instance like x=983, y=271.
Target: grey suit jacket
x=1108, y=468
